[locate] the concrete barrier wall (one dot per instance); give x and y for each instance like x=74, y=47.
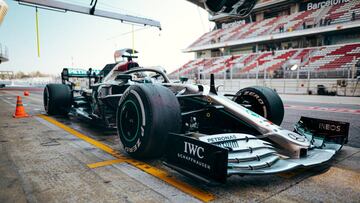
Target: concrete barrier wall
x=289, y=86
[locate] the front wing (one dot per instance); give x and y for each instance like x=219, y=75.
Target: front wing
x=212, y=158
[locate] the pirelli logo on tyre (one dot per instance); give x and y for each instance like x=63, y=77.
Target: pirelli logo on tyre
x=256, y=96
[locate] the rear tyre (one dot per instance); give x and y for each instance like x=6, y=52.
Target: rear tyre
x=145, y=116
x=57, y=99
x=263, y=101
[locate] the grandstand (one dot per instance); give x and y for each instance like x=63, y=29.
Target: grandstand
x=314, y=58
x=280, y=39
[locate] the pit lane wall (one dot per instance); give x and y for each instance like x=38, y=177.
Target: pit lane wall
x=343, y=87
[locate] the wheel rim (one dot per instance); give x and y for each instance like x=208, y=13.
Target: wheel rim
x=129, y=121
x=252, y=105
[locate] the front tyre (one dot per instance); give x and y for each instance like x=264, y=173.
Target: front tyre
x=145, y=116
x=263, y=101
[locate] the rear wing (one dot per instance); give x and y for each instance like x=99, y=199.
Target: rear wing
x=68, y=73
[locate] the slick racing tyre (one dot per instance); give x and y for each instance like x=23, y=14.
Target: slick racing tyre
x=57, y=99
x=145, y=116
x=263, y=101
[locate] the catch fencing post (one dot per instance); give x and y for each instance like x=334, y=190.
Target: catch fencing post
x=308, y=82
x=353, y=75
x=257, y=71
x=353, y=71
x=231, y=76
x=284, y=79
x=297, y=79
x=265, y=76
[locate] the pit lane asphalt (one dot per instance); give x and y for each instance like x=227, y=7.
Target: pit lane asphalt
x=35, y=173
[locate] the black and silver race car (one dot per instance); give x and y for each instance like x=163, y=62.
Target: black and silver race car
x=195, y=129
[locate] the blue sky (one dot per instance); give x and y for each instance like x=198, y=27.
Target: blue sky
x=83, y=41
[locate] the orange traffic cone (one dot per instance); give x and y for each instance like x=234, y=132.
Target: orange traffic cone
x=20, y=110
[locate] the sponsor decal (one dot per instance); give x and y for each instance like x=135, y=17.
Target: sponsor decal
x=194, y=150
x=232, y=141
x=329, y=127
x=325, y=3
x=226, y=141
x=133, y=148
x=221, y=138
x=256, y=96
x=196, y=157
x=193, y=153
x=194, y=161
x=252, y=113
x=335, y=131
x=73, y=72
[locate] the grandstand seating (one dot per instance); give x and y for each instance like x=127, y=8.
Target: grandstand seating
x=339, y=13
x=317, y=58
x=343, y=12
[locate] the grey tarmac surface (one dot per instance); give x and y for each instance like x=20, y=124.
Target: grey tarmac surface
x=293, y=115
x=40, y=162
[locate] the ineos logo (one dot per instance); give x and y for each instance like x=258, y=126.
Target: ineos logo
x=193, y=150
x=330, y=127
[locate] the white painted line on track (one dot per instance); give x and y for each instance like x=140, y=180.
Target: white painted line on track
x=8, y=102
x=33, y=97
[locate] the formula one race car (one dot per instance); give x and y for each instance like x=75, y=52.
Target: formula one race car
x=195, y=129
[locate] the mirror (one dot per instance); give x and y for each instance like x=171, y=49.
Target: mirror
x=123, y=77
x=183, y=79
